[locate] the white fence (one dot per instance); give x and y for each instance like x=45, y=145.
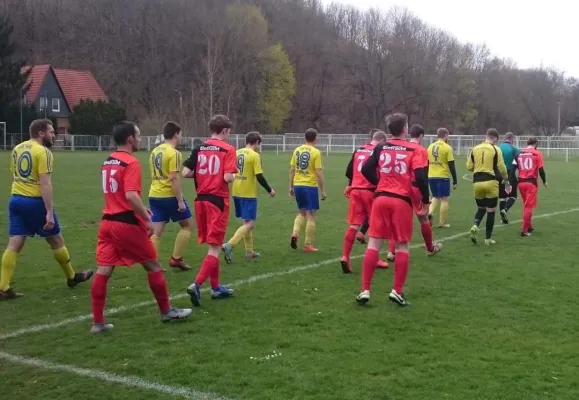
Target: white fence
x=551, y=146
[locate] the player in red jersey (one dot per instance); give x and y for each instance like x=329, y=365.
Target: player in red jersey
x=416, y=134
x=393, y=167
x=361, y=194
x=530, y=165
x=213, y=167
x=125, y=230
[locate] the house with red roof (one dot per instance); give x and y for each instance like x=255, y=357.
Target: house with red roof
x=56, y=91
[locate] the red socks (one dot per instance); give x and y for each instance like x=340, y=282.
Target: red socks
x=209, y=269
x=527, y=215
x=400, y=270
x=392, y=246
x=371, y=258
x=349, y=239
x=427, y=235
x=158, y=286
x=98, y=294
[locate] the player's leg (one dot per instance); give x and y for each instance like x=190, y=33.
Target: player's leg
x=312, y=206
x=512, y=197
x=300, y=220
x=503, y=196
x=98, y=296
x=431, y=247
x=391, y=256
x=13, y=249
x=361, y=235
x=492, y=202
x=434, y=190
x=356, y=216
x=402, y=227
x=444, y=195
x=479, y=197
x=161, y=210
x=181, y=240
x=246, y=210
x=528, y=204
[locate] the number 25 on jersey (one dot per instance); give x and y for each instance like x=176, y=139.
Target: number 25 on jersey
x=396, y=163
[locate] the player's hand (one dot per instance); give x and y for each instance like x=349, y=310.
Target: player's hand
x=545, y=185
x=291, y=192
x=149, y=212
x=323, y=196
x=347, y=191
x=508, y=189
x=272, y=193
x=181, y=206
x=150, y=227
x=454, y=187
x=49, y=222
x=424, y=208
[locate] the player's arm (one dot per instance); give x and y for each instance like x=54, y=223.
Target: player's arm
x=452, y=166
x=542, y=172
x=259, y=174
x=513, y=171
x=230, y=168
x=292, y=173
x=174, y=169
x=350, y=170
x=470, y=161
x=132, y=185
x=370, y=167
x=500, y=166
x=320, y=174
x=45, y=171
x=421, y=176
x=190, y=164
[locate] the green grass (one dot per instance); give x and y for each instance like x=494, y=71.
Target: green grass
x=486, y=323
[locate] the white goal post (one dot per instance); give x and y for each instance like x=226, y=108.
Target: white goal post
x=4, y=134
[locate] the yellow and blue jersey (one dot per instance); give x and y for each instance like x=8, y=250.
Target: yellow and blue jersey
x=249, y=166
x=29, y=160
x=164, y=160
x=306, y=159
x=439, y=155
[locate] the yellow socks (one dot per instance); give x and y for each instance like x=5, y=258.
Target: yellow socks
x=433, y=205
x=156, y=241
x=8, y=264
x=248, y=241
x=443, y=212
x=181, y=241
x=63, y=259
x=299, y=224
x=239, y=234
x=310, y=231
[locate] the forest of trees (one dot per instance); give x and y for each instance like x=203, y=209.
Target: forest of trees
x=285, y=65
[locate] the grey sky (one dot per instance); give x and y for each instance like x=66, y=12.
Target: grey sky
x=528, y=32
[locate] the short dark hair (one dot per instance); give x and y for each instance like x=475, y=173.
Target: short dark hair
x=442, y=133
x=373, y=131
x=171, y=129
x=311, y=135
x=396, y=123
x=509, y=136
x=379, y=135
x=219, y=122
x=39, y=125
x=492, y=132
x=416, y=131
x=253, y=138
x=123, y=131
x=532, y=141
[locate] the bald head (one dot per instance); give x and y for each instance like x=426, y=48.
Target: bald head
x=509, y=137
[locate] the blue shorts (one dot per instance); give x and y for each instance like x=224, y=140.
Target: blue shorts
x=27, y=217
x=166, y=208
x=307, y=198
x=439, y=187
x=245, y=208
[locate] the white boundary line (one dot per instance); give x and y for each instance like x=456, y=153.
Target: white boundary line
x=128, y=380
x=255, y=278
x=467, y=177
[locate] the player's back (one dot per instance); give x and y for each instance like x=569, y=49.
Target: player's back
x=29, y=160
x=306, y=159
x=121, y=173
x=439, y=155
x=164, y=160
x=248, y=166
x=529, y=162
x=510, y=152
x=360, y=156
x=421, y=155
x=484, y=160
x=395, y=167
x=213, y=159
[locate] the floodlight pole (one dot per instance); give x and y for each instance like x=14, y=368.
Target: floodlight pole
x=558, y=117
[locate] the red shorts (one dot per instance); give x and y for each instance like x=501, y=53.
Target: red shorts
x=360, y=206
x=391, y=219
x=529, y=194
x=211, y=222
x=120, y=243
x=416, y=198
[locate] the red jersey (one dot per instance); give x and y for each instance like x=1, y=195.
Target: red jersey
x=210, y=162
x=529, y=162
x=354, y=170
x=422, y=158
x=395, y=164
x=120, y=173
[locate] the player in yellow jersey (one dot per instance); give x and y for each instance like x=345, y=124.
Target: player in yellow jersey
x=305, y=177
x=31, y=208
x=440, y=168
x=488, y=167
x=245, y=195
x=166, y=197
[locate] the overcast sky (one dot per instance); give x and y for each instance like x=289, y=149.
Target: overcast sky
x=528, y=32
